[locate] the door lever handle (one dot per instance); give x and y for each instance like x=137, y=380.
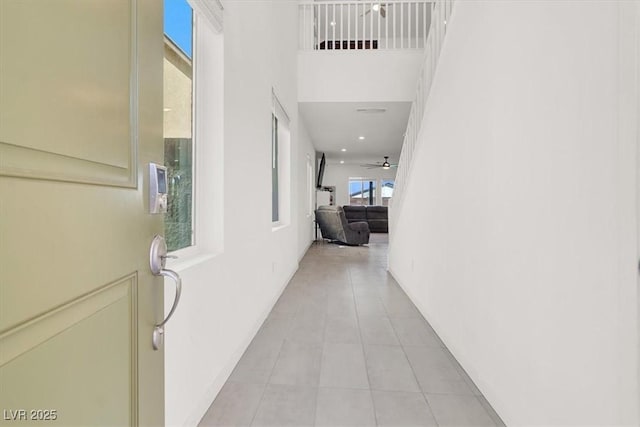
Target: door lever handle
x=158, y=330
x=157, y=258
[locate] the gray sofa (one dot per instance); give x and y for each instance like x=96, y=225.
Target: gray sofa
x=376, y=216
x=334, y=226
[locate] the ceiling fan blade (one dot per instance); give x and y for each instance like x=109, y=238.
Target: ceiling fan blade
x=366, y=13
x=383, y=12
x=370, y=165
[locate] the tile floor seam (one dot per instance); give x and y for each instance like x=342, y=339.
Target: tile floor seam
x=415, y=376
x=315, y=407
x=366, y=368
x=476, y=398
x=424, y=396
x=264, y=391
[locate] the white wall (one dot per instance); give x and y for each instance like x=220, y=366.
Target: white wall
x=517, y=235
x=241, y=265
x=338, y=175
x=338, y=76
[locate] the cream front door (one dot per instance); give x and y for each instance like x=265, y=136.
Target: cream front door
x=80, y=119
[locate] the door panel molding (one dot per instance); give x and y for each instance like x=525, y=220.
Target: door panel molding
x=84, y=106
x=27, y=335
x=80, y=360
x=26, y=162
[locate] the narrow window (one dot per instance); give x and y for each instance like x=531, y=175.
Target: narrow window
x=280, y=166
x=387, y=191
x=275, y=190
x=178, y=123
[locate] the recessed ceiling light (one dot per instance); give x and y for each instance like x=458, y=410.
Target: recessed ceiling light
x=332, y=23
x=344, y=149
x=376, y=7
x=166, y=109
x=341, y=162
x=361, y=138
x=371, y=110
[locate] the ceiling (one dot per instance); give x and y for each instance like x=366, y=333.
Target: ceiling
x=333, y=126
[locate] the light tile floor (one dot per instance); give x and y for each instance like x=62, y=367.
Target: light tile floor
x=344, y=346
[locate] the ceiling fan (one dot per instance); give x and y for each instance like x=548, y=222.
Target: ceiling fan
x=377, y=7
x=383, y=165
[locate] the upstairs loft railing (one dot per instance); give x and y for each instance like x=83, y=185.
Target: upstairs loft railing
x=362, y=25
x=440, y=16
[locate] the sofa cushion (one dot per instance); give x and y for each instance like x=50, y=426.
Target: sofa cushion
x=378, y=225
x=377, y=217
x=377, y=212
x=355, y=213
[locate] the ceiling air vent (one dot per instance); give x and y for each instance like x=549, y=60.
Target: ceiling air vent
x=371, y=110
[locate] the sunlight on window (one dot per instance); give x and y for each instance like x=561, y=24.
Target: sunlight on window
x=387, y=191
x=178, y=116
x=362, y=191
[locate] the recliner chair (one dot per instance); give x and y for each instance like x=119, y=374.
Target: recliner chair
x=334, y=226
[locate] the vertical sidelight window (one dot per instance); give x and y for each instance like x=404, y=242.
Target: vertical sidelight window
x=280, y=165
x=275, y=188
x=178, y=123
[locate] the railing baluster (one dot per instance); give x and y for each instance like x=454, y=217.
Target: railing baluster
x=333, y=20
x=395, y=34
x=355, y=43
x=441, y=16
x=401, y=25
x=386, y=28
x=364, y=24
x=371, y=26
x=348, y=25
x=326, y=26
x=424, y=26
x=439, y=27
x=379, y=18
x=409, y=25
x=417, y=16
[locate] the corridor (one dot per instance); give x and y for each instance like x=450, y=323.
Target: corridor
x=344, y=346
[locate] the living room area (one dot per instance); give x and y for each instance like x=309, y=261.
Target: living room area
x=352, y=199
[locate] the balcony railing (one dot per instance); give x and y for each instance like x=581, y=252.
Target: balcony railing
x=364, y=25
x=440, y=16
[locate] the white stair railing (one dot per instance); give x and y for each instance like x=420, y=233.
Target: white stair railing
x=440, y=14
x=359, y=25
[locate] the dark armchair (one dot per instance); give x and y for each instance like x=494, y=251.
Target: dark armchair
x=334, y=226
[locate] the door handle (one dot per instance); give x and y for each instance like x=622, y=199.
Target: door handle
x=157, y=259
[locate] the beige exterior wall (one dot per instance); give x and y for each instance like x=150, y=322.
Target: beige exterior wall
x=177, y=93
